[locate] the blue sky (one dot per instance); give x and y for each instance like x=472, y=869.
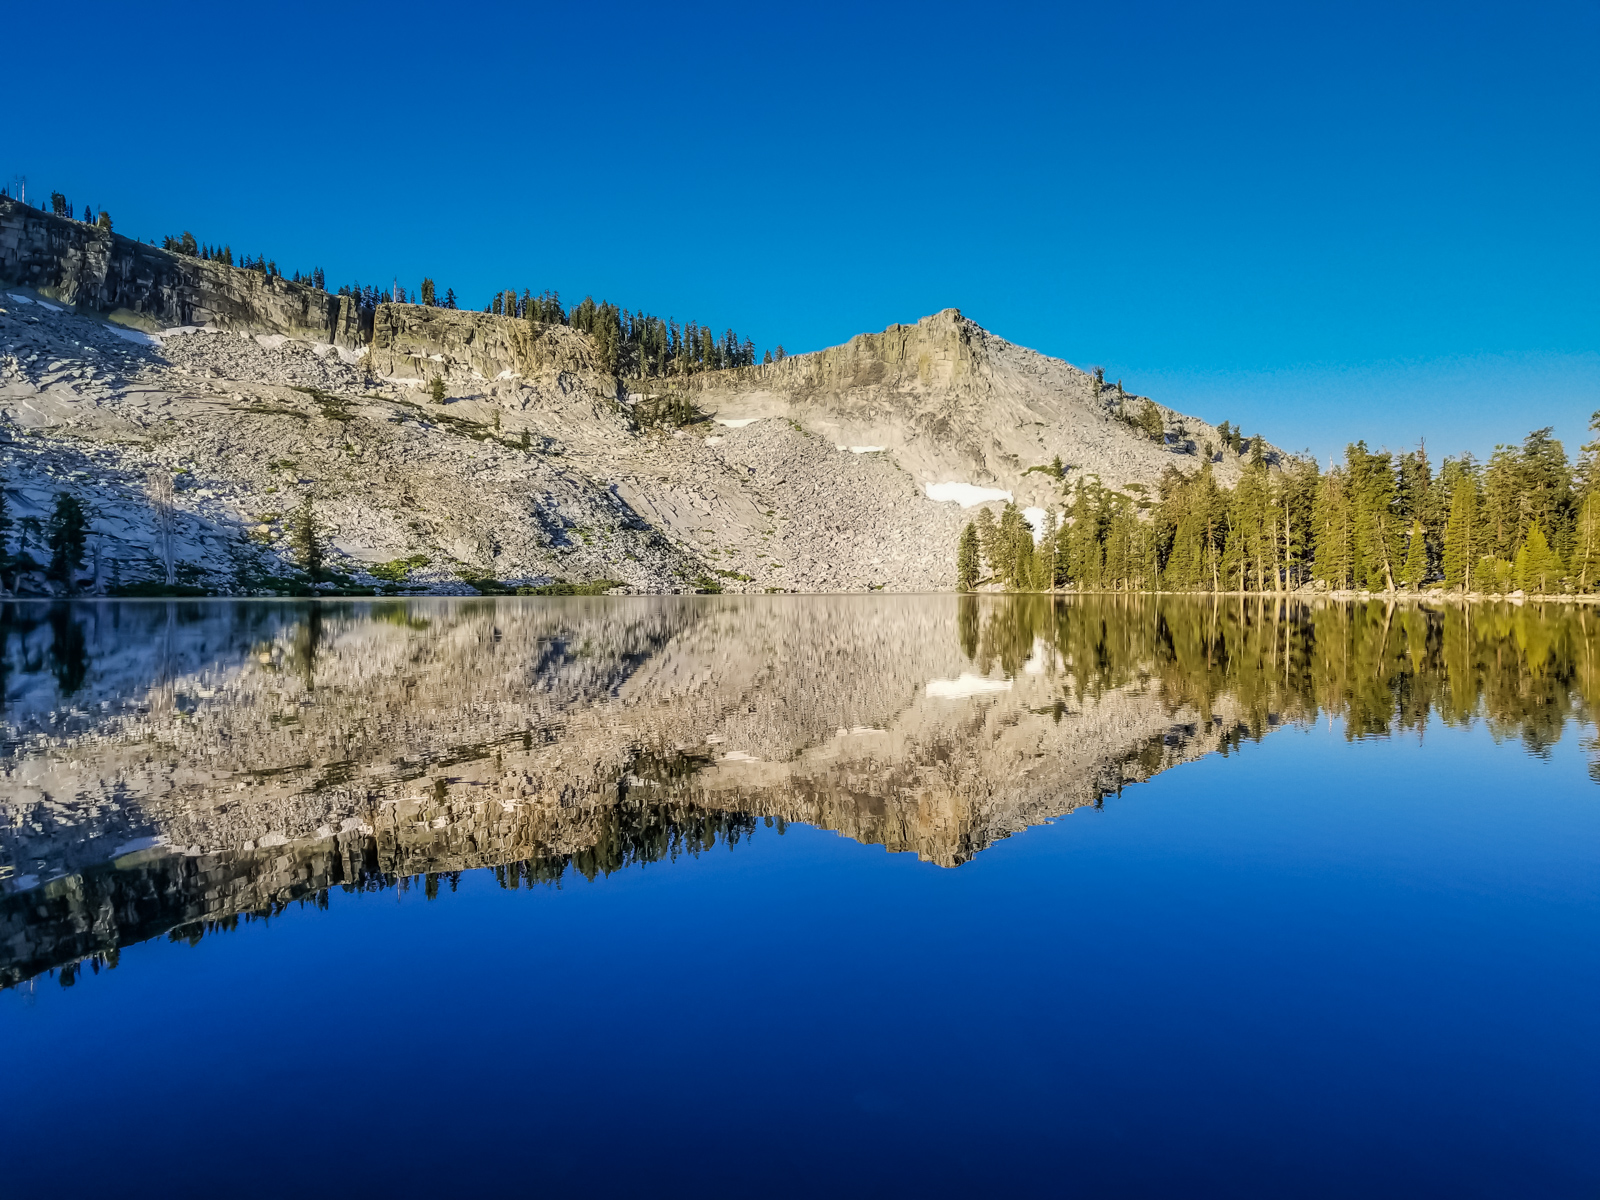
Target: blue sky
x=1324, y=222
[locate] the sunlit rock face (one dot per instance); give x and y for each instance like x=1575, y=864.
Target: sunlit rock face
x=172, y=764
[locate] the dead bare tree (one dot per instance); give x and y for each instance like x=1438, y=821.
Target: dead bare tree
x=160, y=491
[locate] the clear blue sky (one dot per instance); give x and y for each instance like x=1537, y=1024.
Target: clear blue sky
x=1324, y=222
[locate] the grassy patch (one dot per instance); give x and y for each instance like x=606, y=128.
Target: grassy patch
x=399, y=569
x=594, y=587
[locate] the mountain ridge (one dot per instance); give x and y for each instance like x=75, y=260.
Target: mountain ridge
x=119, y=362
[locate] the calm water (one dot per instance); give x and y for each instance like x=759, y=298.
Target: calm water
x=783, y=896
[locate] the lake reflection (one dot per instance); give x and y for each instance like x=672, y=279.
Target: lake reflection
x=175, y=767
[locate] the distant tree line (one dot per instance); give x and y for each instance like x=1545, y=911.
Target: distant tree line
x=635, y=343
x=1528, y=519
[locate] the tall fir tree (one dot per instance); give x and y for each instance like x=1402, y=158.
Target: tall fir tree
x=1538, y=567
x=1461, y=536
x=1415, y=568
x=967, y=559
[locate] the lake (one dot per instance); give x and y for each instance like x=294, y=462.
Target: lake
x=787, y=895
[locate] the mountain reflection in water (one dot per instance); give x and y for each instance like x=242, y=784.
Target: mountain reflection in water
x=177, y=767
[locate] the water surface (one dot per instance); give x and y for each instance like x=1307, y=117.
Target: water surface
x=780, y=895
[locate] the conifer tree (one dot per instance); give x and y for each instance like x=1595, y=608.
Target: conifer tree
x=1586, y=544
x=988, y=541
x=1084, y=562
x=1015, y=538
x=1538, y=567
x=1333, y=531
x=68, y=537
x=1461, y=540
x=1151, y=421
x=1415, y=568
x=305, y=537
x=967, y=559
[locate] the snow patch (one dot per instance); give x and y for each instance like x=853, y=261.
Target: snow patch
x=504, y=375
x=964, y=494
x=737, y=422
x=1035, y=518
x=714, y=441
x=134, y=335
x=868, y=449
x=19, y=299
x=739, y=756
x=270, y=341
x=967, y=685
x=137, y=844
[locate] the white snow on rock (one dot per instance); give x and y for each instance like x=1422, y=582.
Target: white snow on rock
x=868, y=449
x=966, y=686
x=737, y=422
x=964, y=494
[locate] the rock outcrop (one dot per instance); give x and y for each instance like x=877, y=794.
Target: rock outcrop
x=951, y=402
x=149, y=288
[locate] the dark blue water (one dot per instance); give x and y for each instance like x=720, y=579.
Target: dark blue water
x=1316, y=966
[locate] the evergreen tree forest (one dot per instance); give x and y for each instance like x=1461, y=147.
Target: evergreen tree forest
x=1381, y=668
x=1527, y=520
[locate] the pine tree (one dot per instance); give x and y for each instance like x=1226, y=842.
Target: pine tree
x=68, y=538
x=1586, y=544
x=1084, y=562
x=1375, y=528
x=1538, y=567
x=1461, y=536
x=967, y=559
x=988, y=541
x=1333, y=531
x=305, y=537
x=1151, y=421
x=436, y=389
x=1015, y=549
x=1416, y=563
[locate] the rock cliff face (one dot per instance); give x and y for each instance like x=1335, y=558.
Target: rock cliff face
x=213, y=760
x=144, y=287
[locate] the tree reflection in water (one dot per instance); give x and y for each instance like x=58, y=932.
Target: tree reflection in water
x=174, y=768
